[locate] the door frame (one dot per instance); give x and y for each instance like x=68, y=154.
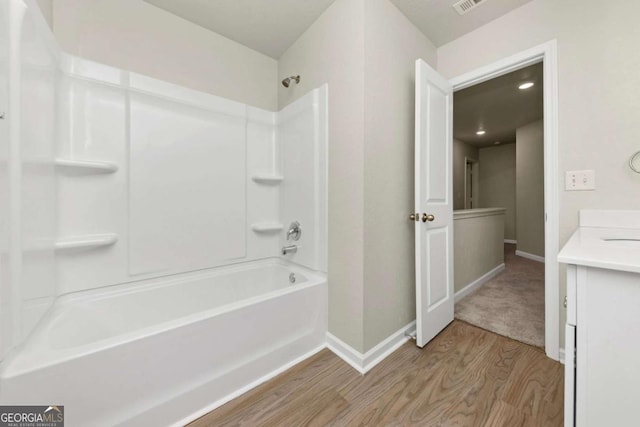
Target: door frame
x=474, y=180
x=547, y=54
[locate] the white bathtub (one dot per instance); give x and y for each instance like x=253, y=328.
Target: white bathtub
x=163, y=352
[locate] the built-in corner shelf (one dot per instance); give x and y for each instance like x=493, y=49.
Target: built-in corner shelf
x=267, y=179
x=87, y=241
x=267, y=227
x=88, y=165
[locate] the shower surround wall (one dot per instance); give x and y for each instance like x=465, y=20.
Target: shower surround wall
x=29, y=78
x=115, y=179
x=201, y=181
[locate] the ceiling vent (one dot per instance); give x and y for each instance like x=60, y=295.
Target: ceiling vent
x=464, y=6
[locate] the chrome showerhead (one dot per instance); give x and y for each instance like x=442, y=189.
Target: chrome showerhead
x=286, y=82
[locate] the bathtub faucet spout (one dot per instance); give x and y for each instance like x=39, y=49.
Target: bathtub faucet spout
x=289, y=249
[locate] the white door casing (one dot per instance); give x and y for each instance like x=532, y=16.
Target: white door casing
x=433, y=203
x=547, y=53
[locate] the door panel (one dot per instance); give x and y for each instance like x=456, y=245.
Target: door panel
x=438, y=292
x=433, y=203
x=437, y=169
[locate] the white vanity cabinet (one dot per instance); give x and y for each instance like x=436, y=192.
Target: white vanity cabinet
x=603, y=386
x=602, y=345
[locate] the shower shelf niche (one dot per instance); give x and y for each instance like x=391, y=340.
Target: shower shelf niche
x=267, y=227
x=87, y=241
x=88, y=165
x=267, y=179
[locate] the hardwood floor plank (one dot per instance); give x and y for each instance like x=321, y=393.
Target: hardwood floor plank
x=454, y=380
x=313, y=409
x=483, y=392
x=465, y=377
x=400, y=373
x=552, y=409
x=530, y=381
x=267, y=399
x=504, y=415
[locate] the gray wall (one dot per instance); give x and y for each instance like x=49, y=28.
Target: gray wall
x=460, y=151
x=366, y=51
x=530, y=188
x=137, y=36
x=597, y=46
x=332, y=51
x=498, y=183
x=392, y=45
x=478, y=242
x=46, y=6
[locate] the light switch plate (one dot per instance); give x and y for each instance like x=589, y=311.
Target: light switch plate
x=580, y=180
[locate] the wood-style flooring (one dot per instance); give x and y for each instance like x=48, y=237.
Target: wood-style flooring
x=466, y=376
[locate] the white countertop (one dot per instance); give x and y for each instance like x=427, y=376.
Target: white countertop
x=588, y=247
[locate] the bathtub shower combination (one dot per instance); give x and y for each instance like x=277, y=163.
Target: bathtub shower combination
x=143, y=276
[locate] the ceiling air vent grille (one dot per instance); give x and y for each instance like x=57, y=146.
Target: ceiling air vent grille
x=464, y=6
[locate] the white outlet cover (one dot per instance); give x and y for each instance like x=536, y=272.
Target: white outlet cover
x=582, y=180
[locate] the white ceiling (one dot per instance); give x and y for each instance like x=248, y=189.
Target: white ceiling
x=268, y=26
x=498, y=107
x=442, y=24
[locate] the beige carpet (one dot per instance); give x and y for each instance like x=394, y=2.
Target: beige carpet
x=510, y=304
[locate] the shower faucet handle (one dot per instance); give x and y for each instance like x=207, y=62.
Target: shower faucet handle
x=295, y=231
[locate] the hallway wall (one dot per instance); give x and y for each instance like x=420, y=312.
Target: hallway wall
x=460, y=151
x=498, y=183
x=530, y=188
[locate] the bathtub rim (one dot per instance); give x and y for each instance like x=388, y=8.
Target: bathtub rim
x=29, y=356
x=133, y=286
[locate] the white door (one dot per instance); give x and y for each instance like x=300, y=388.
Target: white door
x=433, y=205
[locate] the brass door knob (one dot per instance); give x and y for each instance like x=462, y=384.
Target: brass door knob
x=414, y=217
x=427, y=217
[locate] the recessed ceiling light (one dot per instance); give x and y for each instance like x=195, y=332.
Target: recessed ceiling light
x=526, y=85
x=480, y=132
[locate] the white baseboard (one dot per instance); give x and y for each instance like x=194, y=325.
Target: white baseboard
x=477, y=283
x=561, y=355
x=383, y=349
x=530, y=256
x=345, y=352
x=364, y=362
x=513, y=242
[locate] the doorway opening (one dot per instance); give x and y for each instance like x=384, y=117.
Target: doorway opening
x=471, y=184
x=500, y=123
x=543, y=56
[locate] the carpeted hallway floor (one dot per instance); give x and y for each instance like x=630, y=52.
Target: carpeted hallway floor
x=510, y=304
